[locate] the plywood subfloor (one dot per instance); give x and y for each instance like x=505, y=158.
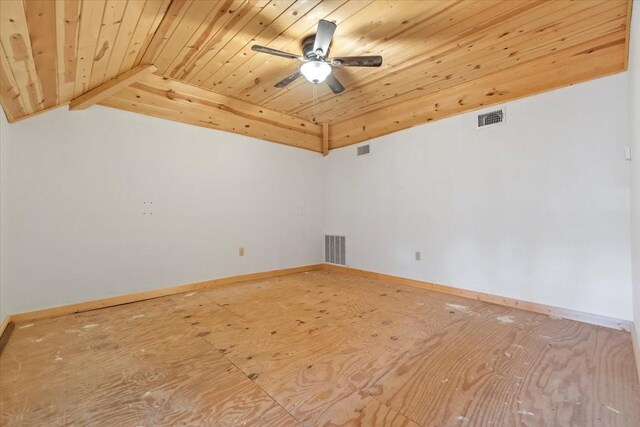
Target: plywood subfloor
x=317, y=348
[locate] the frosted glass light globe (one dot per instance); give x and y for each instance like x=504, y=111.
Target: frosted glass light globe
x=315, y=71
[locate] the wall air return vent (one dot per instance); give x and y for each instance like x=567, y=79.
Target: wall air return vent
x=492, y=118
x=334, y=249
x=363, y=149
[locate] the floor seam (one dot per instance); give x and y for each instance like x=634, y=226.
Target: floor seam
x=225, y=308
x=238, y=368
x=390, y=407
x=257, y=385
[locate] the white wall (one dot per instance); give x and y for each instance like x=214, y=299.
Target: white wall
x=74, y=192
x=536, y=209
x=634, y=121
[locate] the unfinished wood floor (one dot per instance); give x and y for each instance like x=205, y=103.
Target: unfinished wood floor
x=317, y=348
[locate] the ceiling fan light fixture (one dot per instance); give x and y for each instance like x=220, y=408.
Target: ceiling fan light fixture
x=317, y=65
x=315, y=71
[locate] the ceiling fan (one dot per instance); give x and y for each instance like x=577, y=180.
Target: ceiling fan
x=317, y=65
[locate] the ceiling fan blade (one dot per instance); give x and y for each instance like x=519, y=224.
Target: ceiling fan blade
x=290, y=78
x=334, y=84
x=263, y=49
x=324, y=34
x=357, y=61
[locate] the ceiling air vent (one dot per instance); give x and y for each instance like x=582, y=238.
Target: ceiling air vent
x=363, y=149
x=491, y=118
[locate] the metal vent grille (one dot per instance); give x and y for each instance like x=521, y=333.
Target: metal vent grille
x=491, y=118
x=334, y=249
x=363, y=149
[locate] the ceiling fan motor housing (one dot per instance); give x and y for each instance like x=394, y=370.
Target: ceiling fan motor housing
x=307, y=48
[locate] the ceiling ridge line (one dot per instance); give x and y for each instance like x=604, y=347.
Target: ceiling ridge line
x=118, y=70
x=165, y=17
x=204, y=66
x=205, y=83
x=177, y=64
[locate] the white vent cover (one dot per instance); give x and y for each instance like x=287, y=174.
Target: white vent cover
x=492, y=118
x=363, y=149
x=334, y=249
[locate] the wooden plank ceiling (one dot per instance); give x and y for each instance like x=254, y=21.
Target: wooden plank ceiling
x=441, y=57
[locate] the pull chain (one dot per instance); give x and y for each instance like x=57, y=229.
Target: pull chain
x=315, y=101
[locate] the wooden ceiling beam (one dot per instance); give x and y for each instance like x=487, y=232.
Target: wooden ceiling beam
x=577, y=65
x=529, y=40
x=174, y=100
x=111, y=87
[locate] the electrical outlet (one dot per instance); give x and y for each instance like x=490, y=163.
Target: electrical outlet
x=241, y=251
x=147, y=208
x=418, y=256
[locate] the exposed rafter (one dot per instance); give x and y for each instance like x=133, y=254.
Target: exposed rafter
x=111, y=87
x=171, y=99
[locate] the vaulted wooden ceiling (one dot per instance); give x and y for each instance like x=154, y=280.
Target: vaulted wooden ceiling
x=441, y=57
